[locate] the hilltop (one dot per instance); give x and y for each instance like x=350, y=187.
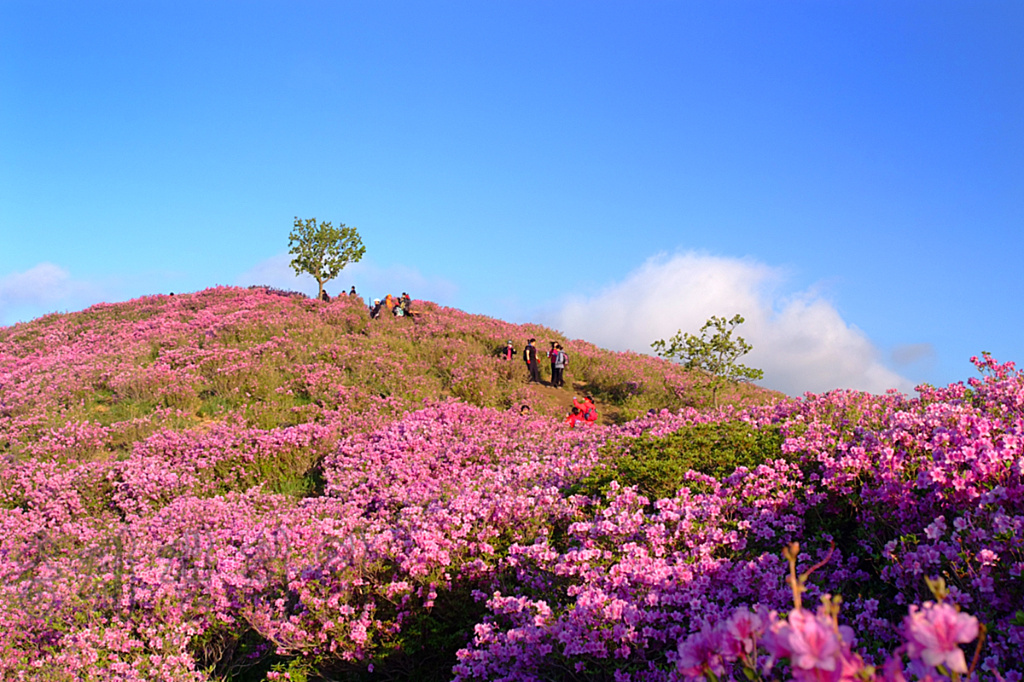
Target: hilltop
x=274, y=358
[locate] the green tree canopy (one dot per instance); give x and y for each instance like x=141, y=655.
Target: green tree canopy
x=323, y=250
x=715, y=352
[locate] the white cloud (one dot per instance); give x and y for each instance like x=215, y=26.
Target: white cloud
x=370, y=280
x=41, y=289
x=41, y=284
x=800, y=341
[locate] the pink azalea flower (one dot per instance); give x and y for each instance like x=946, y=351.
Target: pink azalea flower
x=817, y=652
x=813, y=643
x=934, y=634
x=700, y=653
x=742, y=631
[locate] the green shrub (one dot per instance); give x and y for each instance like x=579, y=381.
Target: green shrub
x=658, y=465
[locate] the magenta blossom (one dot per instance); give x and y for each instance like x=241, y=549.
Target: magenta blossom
x=817, y=650
x=742, y=632
x=701, y=653
x=935, y=632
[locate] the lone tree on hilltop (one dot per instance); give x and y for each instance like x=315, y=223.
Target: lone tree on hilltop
x=714, y=352
x=323, y=250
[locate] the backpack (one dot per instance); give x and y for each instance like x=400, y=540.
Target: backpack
x=564, y=358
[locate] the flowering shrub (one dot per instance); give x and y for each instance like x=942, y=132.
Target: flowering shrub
x=816, y=647
x=243, y=485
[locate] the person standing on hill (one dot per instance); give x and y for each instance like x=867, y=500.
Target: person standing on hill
x=552, y=354
x=558, y=367
x=509, y=351
x=530, y=358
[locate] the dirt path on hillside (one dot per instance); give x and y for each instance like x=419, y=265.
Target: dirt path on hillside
x=558, y=401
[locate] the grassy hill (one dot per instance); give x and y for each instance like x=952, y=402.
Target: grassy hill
x=276, y=360
x=249, y=485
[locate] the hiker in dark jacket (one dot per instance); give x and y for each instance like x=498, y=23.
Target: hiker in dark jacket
x=530, y=358
x=508, y=352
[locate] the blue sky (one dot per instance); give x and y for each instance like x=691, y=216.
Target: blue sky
x=849, y=176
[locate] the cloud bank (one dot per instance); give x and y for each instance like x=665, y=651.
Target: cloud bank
x=800, y=341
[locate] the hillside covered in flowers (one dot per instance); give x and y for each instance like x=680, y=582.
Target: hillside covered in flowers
x=244, y=485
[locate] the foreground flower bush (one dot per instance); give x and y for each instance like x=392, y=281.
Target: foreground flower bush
x=814, y=646
x=904, y=489
x=238, y=485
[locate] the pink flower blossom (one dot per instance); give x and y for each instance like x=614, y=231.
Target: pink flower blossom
x=742, y=632
x=701, y=653
x=812, y=644
x=934, y=633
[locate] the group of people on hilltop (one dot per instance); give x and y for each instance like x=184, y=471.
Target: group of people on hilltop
x=326, y=298
x=399, y=306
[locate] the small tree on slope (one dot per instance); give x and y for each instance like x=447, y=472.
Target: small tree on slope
x=714, y=352
x=323, y=250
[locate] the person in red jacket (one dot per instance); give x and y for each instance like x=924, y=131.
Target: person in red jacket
x=573, y=417
x=588, y=411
